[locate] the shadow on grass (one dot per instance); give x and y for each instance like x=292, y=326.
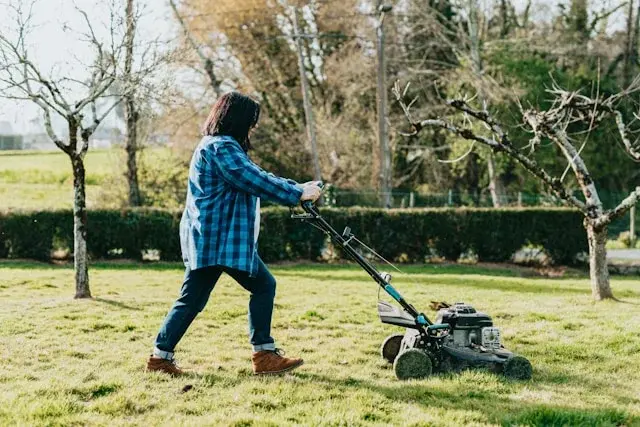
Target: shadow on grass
x=497, y=409
x=498, y=270
x=531, y=285
x=117, y=304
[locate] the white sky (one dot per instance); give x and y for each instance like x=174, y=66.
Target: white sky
x=59, y=51
x=55, y=42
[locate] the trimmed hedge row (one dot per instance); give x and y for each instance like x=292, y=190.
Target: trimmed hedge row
x=401, y=235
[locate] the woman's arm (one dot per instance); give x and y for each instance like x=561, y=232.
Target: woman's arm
x=290, y=181
x=241, y=173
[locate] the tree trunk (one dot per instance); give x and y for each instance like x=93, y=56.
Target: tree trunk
x=598, y=270
x=130, y=111
x=579, y=16
x=504, y=19
x=627, y=66
x=131, y=114
x=496, y=188
x=80, y=229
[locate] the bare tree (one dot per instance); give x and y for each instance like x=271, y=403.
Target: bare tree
x=569, y=109
x=23, y=79
x=145, y=89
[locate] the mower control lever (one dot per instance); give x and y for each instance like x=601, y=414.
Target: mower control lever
x=438, y=326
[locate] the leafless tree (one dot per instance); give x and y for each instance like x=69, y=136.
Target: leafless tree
x=21, y=78
x=569, y=109
x=146, y=88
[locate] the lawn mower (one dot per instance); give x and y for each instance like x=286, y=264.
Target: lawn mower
x=460, y=337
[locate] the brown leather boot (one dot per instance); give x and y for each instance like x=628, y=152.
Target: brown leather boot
x=273, y=362
x=163, y=365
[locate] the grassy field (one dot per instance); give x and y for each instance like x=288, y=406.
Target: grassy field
x=67, y=362
x=44, y=179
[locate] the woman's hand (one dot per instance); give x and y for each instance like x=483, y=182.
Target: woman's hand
x=310, y=192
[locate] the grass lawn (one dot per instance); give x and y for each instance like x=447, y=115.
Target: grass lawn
x=54, y=167
x=39, y=180
x=67, y=362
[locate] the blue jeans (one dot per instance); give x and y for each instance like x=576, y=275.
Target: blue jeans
x=194, y=295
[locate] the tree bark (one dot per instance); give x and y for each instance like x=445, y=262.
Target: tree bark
x=80, y=228
x=131, y=114
x=628, y=66
x=598, y=270
x=131, y=111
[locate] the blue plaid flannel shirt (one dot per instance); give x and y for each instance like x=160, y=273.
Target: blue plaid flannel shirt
x=217, y=224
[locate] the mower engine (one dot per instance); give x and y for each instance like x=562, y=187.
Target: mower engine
x=469, y=328
x=472, y=341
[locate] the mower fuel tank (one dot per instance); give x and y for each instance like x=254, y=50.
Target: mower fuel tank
x=395, y=316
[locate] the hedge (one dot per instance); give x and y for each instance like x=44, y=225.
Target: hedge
x=409, y=235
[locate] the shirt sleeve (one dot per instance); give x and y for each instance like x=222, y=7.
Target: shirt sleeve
x=241, y=173
x=290, y=181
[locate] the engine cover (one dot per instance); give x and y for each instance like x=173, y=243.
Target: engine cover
x=463, y=316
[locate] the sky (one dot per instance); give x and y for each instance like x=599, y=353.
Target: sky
x=54, y=40
x=55, y=43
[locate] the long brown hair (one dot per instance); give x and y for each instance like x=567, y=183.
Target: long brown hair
x=233, y=114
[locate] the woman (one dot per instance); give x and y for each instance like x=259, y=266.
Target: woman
x=219, y=232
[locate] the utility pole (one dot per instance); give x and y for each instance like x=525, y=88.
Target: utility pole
x=632, y=227
x=306, y=99
x=383, y=139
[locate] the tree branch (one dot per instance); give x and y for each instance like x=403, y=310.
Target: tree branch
x=634, y=152
x=500, y=144
x=604, y=15
x=621, y=209
x=49, y=128
x=207, y=63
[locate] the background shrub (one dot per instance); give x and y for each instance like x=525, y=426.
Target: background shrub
x=400, y=235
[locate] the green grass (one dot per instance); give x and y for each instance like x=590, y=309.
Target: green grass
x=616, y=244
x=45, y=196
x=67, y=362
x=38, y=180
x=54, y=167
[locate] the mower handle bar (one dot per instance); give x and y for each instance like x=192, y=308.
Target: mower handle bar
x=342, y=240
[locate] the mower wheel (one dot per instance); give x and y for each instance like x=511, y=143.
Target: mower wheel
x=517, y=368
x=391, y=347
x=412, y=363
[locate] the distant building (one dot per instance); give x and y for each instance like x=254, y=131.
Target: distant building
x=105, y=137
x=5, y=128
x=9, y=140
x=38, y=141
